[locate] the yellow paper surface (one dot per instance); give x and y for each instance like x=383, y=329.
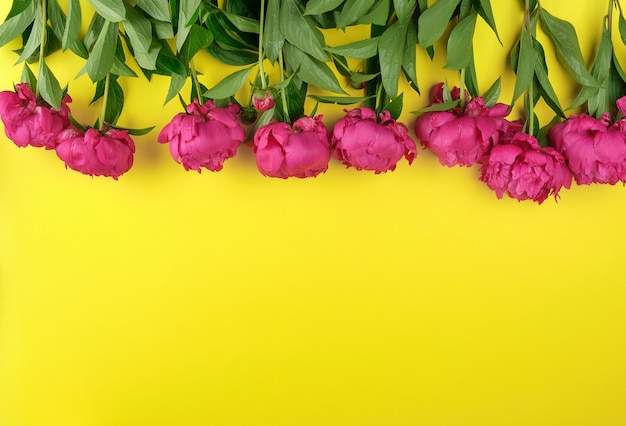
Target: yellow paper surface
x=409, y=298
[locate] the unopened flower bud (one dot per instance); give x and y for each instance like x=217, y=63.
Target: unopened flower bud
x=264, y=99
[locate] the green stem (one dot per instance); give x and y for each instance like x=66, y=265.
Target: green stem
x=609, y=18
x=283, y=91
x=462, y=95
x=261, y=55
x=531, y=88
x=105, y=101
x=379, y=92
x=42, y=46
x=196, y=82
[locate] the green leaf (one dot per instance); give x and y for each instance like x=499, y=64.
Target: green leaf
x=484, y=10
x=94, y=30
x=317, y=7
x=460, y=43
x=188, y=9
x=28, y=77
x=352, y=11
x=378, y=14
x=311, y=70
x=111, y=10
x=361, y=49
x=163, y=30
x=121, y=69
x=545, y=89
x=390, y=51
x=229, y=85
x=403, y=8
x=158, y=9
x=247, y=25
x=340, y=100
x=176, y=84
x=138, y=28
x=565, y=40
x=231, y=57
x=444, y=106
x=300, y=31
x=17, y=7
x=16, y=25
x=101, y=57
x=72, y=25
x=115, y=102
x=395, y=107
x=34, y=39
x=199, y=38
x=622, y=28
x=493, y=93
x=542, y=135
x=358, y=77
x=524, y=68
x=273, y=39
x=134, y=132
x=48, y=86
x=409, y=57
x=434, y=20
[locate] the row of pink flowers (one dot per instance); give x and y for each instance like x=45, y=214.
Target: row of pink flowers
x=28, y=121
x=511, y=162
x=205, y=136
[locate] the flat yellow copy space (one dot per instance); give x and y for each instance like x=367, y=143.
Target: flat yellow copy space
x=410, y=298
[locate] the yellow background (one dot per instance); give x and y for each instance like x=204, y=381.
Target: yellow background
x=410, y=298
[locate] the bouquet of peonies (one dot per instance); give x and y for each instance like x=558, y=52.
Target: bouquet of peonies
x=461, y=126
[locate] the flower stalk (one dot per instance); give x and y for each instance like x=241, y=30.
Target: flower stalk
x=196, y=82
x=261, y=53
x=105, y=101
x=283, y=92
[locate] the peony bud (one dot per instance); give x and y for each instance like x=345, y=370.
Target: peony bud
x=461, y=137
x=594, y=149
x=361, y=141
x=264, y=99
x=205, y=136
x=299, y=150
x=28, y=122
x=524, y=170
x=96, y=153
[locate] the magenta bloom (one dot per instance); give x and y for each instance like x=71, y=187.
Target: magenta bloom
x=205, y=136
x=594, y=149
x=95, y=153
x=264, y=100
x=361, y=141
x=461, y=137
x=524, y=170
x=300, y=150
x=28, y=122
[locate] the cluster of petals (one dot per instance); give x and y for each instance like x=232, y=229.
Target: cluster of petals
x=594, y=149
x=367, y=142
x=96, y=153
x=204, y=136
x=299, y=150
x=28, y=122
x=461, y=136
x=524, y=170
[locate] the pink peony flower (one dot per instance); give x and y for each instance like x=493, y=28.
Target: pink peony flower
x=461, y=137
x=264, y=100
x=205, y=136
x=28, y=122
x=96, y=153
x=524, y=170
x=361, y=141
x=300, y=150
x=594, y=149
